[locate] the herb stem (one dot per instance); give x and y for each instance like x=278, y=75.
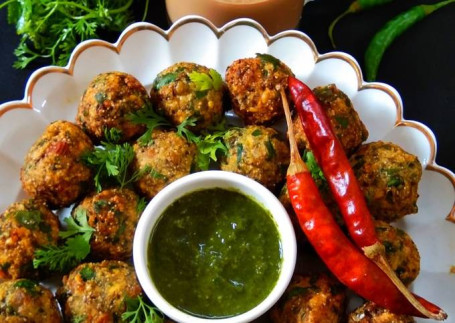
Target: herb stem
x=71, y=4
x=4, y=4
x=146, y=10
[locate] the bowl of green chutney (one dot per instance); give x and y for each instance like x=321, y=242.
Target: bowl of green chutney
x=214, y=246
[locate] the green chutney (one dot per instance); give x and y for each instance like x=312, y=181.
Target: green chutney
x=215, y=253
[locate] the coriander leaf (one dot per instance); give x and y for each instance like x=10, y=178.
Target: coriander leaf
x=141, y=204
x=87, y=273
x=110, y=163
x=184, y=132
x=30, y=286
x=315, y=170
x=266, y=58
x=112, y=135
x=239, y=153
x=148, y=117
x=342, y=121
x=205, y=82
x=208, y=147
x=217, y=80
x=162, y=80
x=77, y=225
x=137, y=311
x=31, y=219
x=271, y=153
x=62, y=258
x=75, y=248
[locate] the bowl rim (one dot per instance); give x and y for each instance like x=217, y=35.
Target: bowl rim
x=204, y=180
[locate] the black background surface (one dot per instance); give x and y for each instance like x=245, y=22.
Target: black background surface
x=420, y=64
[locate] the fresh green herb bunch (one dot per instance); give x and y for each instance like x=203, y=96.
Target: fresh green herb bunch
x=50, y=29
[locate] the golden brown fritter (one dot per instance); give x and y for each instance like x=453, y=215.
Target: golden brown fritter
x=53, y=169
x=345, y=121
x=24, y=227
x=252, y=84
x=371, y=313
x=113, y=214
x=257, y=152
x=106, y=103
x=178, y=96
x=401, y=252
x=311, y=299
x=389, y=178
x=167, y=158
x=24, y=300
x=96, y=292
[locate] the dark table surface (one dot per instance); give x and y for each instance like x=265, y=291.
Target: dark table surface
x=420, y=64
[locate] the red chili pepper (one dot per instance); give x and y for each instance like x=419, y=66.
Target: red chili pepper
x=332, y=159
x=344, y=260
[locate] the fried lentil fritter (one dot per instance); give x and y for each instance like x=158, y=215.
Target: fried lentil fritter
x=24, y=227
x=96, y=292
x=53, y=169
x=252, y=84
x=167, y=158
x=113, y=214
x=401, y=252
x=257, y=152
x=23, y=300
x=371, y=313
x=178, y=96
x=106, y=103
x=345, y=121
x=311, y=299
x=389, y=178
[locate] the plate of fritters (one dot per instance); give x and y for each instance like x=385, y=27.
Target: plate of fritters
x=410, y=196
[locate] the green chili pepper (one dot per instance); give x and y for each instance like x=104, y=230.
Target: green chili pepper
x=356, y=6
x=393, y=29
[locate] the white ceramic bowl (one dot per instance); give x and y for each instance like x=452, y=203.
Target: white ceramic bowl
x=206, y=180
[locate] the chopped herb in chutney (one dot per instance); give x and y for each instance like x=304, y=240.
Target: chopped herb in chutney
x=215, y=253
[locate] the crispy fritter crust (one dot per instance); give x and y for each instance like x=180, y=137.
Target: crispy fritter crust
x=389, y=178
x=311, y=299
x=178, y=98
x=401, y=252
x=252, y=84
x=167, y=158
x=26, y=301
x=96, y=292
x=24, y=227
x=106, y=103
x=257, y=152
x=114, y=214
x=53, y=168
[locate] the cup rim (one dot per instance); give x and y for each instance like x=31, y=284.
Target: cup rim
x=205, y=180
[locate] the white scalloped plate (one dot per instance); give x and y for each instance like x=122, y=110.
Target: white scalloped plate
x=144, y=49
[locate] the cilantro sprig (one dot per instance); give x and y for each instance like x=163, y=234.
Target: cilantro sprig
x=50, y=29
x=183, y=131
x=209, y=147
x=137, y=311
x=75, y=248
x=111, y=162
x=148, y=117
